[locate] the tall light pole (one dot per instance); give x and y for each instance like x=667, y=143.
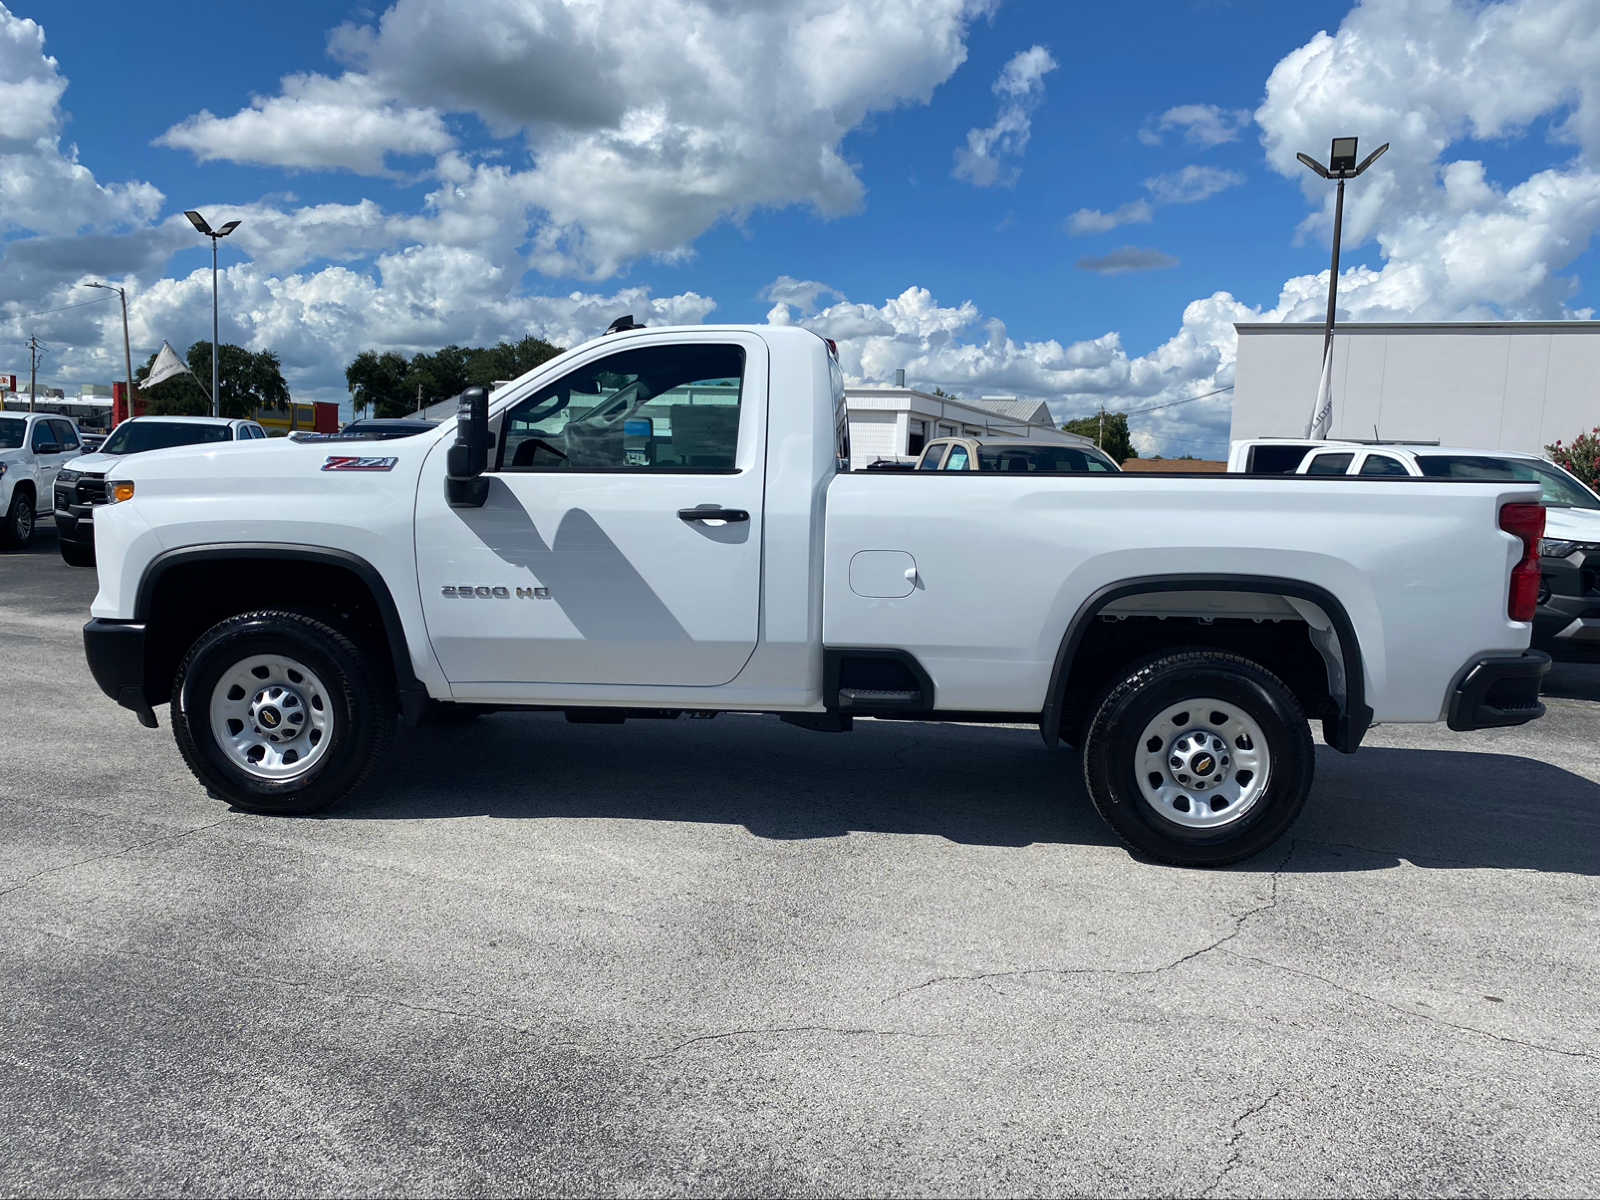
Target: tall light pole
x=1341, y=166
x=127, y=351
x=215, y=235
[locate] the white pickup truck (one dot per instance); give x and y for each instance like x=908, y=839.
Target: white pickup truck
x=33, y=447
x=657, y=522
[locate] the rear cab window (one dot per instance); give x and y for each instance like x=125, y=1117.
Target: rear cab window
x=1382, y=464
x=1330, y=464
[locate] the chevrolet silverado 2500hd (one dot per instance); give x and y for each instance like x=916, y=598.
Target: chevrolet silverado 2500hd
x=659, y=522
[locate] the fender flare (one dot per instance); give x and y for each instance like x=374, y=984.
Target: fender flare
x=1343, y=732
x=412, y=694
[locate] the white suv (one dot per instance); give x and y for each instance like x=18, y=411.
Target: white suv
x=33, y=447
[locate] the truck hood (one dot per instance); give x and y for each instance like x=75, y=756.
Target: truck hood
x=223, y=468
x=1572, y=524
x=99, y=464
x=12, y=456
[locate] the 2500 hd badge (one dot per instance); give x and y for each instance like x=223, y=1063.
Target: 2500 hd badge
x=494, y=593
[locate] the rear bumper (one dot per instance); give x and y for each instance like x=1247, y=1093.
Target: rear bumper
x=1499, y=690
x=115, y=650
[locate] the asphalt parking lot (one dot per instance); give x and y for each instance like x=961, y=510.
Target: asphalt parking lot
x=731, y=956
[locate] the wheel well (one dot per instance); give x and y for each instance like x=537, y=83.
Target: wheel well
x=1298, y=630
x=26, y=485
x=188, y=597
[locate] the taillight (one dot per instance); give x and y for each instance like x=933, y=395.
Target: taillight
x=833, y=347
x=1524, y=521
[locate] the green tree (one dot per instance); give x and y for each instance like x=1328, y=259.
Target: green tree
x=381, y=380
x=250, y=381
x=508, y=360
x=1114, y=440
x=389, y=384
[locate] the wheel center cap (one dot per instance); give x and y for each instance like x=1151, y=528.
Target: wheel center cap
x=270, y=718
x=1203, y=763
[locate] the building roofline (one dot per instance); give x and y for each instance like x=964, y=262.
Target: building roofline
x=1420, y=327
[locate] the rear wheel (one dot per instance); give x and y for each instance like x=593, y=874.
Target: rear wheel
x=16, y=528
x=77, y=556
x=1199, y=758
x=279, y=712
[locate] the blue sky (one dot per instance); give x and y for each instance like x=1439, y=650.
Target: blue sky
x=574, y=211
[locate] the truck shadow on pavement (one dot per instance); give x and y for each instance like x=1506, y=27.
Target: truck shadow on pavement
x=971, y=785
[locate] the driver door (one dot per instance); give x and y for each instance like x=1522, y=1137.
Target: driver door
x=587, y=564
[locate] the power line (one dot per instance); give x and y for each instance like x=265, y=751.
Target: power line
x=1174, y=403
x=47, y=311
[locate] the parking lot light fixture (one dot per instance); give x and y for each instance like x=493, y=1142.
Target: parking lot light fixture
x=1341, y=166
x=215, y=235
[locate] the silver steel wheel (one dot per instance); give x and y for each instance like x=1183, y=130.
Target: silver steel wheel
x=271, y=716
x=1203, y=763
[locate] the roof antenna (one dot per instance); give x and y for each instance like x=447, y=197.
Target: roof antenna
x=622, y=325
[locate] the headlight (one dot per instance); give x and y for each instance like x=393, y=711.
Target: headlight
x=119, y=490
x=67, y=475
x=2, y=468
x=1556, y=548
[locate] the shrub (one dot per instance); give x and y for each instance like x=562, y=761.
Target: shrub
x=1581, y=456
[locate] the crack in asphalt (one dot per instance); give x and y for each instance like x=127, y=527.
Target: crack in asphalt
x=1410, y=1012
x=1239, y=922
x=1235, y=1154
x=777, y=1029
x=126, y=850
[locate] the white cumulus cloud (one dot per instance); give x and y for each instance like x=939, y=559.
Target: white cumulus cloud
x=991, y=153
x=315, y=122
x=1201, y=125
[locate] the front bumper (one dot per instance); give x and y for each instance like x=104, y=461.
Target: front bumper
x=1568, y=621
x=115, y=650
x=1499, y=690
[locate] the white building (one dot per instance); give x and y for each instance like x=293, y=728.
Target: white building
x=896, y=422
x=1508, y=385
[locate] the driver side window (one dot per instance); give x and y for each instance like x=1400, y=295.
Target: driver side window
x=658, y=408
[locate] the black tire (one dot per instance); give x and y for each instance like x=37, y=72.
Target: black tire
x=1111, y=755
x=75, y=555
x=361, y=699
x=16, y=528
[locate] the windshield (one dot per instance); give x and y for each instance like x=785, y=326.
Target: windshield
x=1041, y=458
x=1558, y=490
x=11, y=432
x=136, y=437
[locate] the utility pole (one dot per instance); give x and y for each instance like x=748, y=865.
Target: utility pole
x=127, y=352
x=419, y=397
x=33, y=369
x=1100, y=438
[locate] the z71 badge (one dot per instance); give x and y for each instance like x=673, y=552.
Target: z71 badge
x=351, y=462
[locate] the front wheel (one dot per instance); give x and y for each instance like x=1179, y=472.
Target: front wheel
x=1199, y=758
x=16, y=527
x=278, y=712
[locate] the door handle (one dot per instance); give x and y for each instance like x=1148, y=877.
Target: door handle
x=710, y=512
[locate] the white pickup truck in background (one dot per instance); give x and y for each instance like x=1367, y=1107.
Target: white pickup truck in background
x=33, y=447
x=657, y=522
x=1567, y=620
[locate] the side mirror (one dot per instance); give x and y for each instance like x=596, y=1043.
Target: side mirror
x=464, y=485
